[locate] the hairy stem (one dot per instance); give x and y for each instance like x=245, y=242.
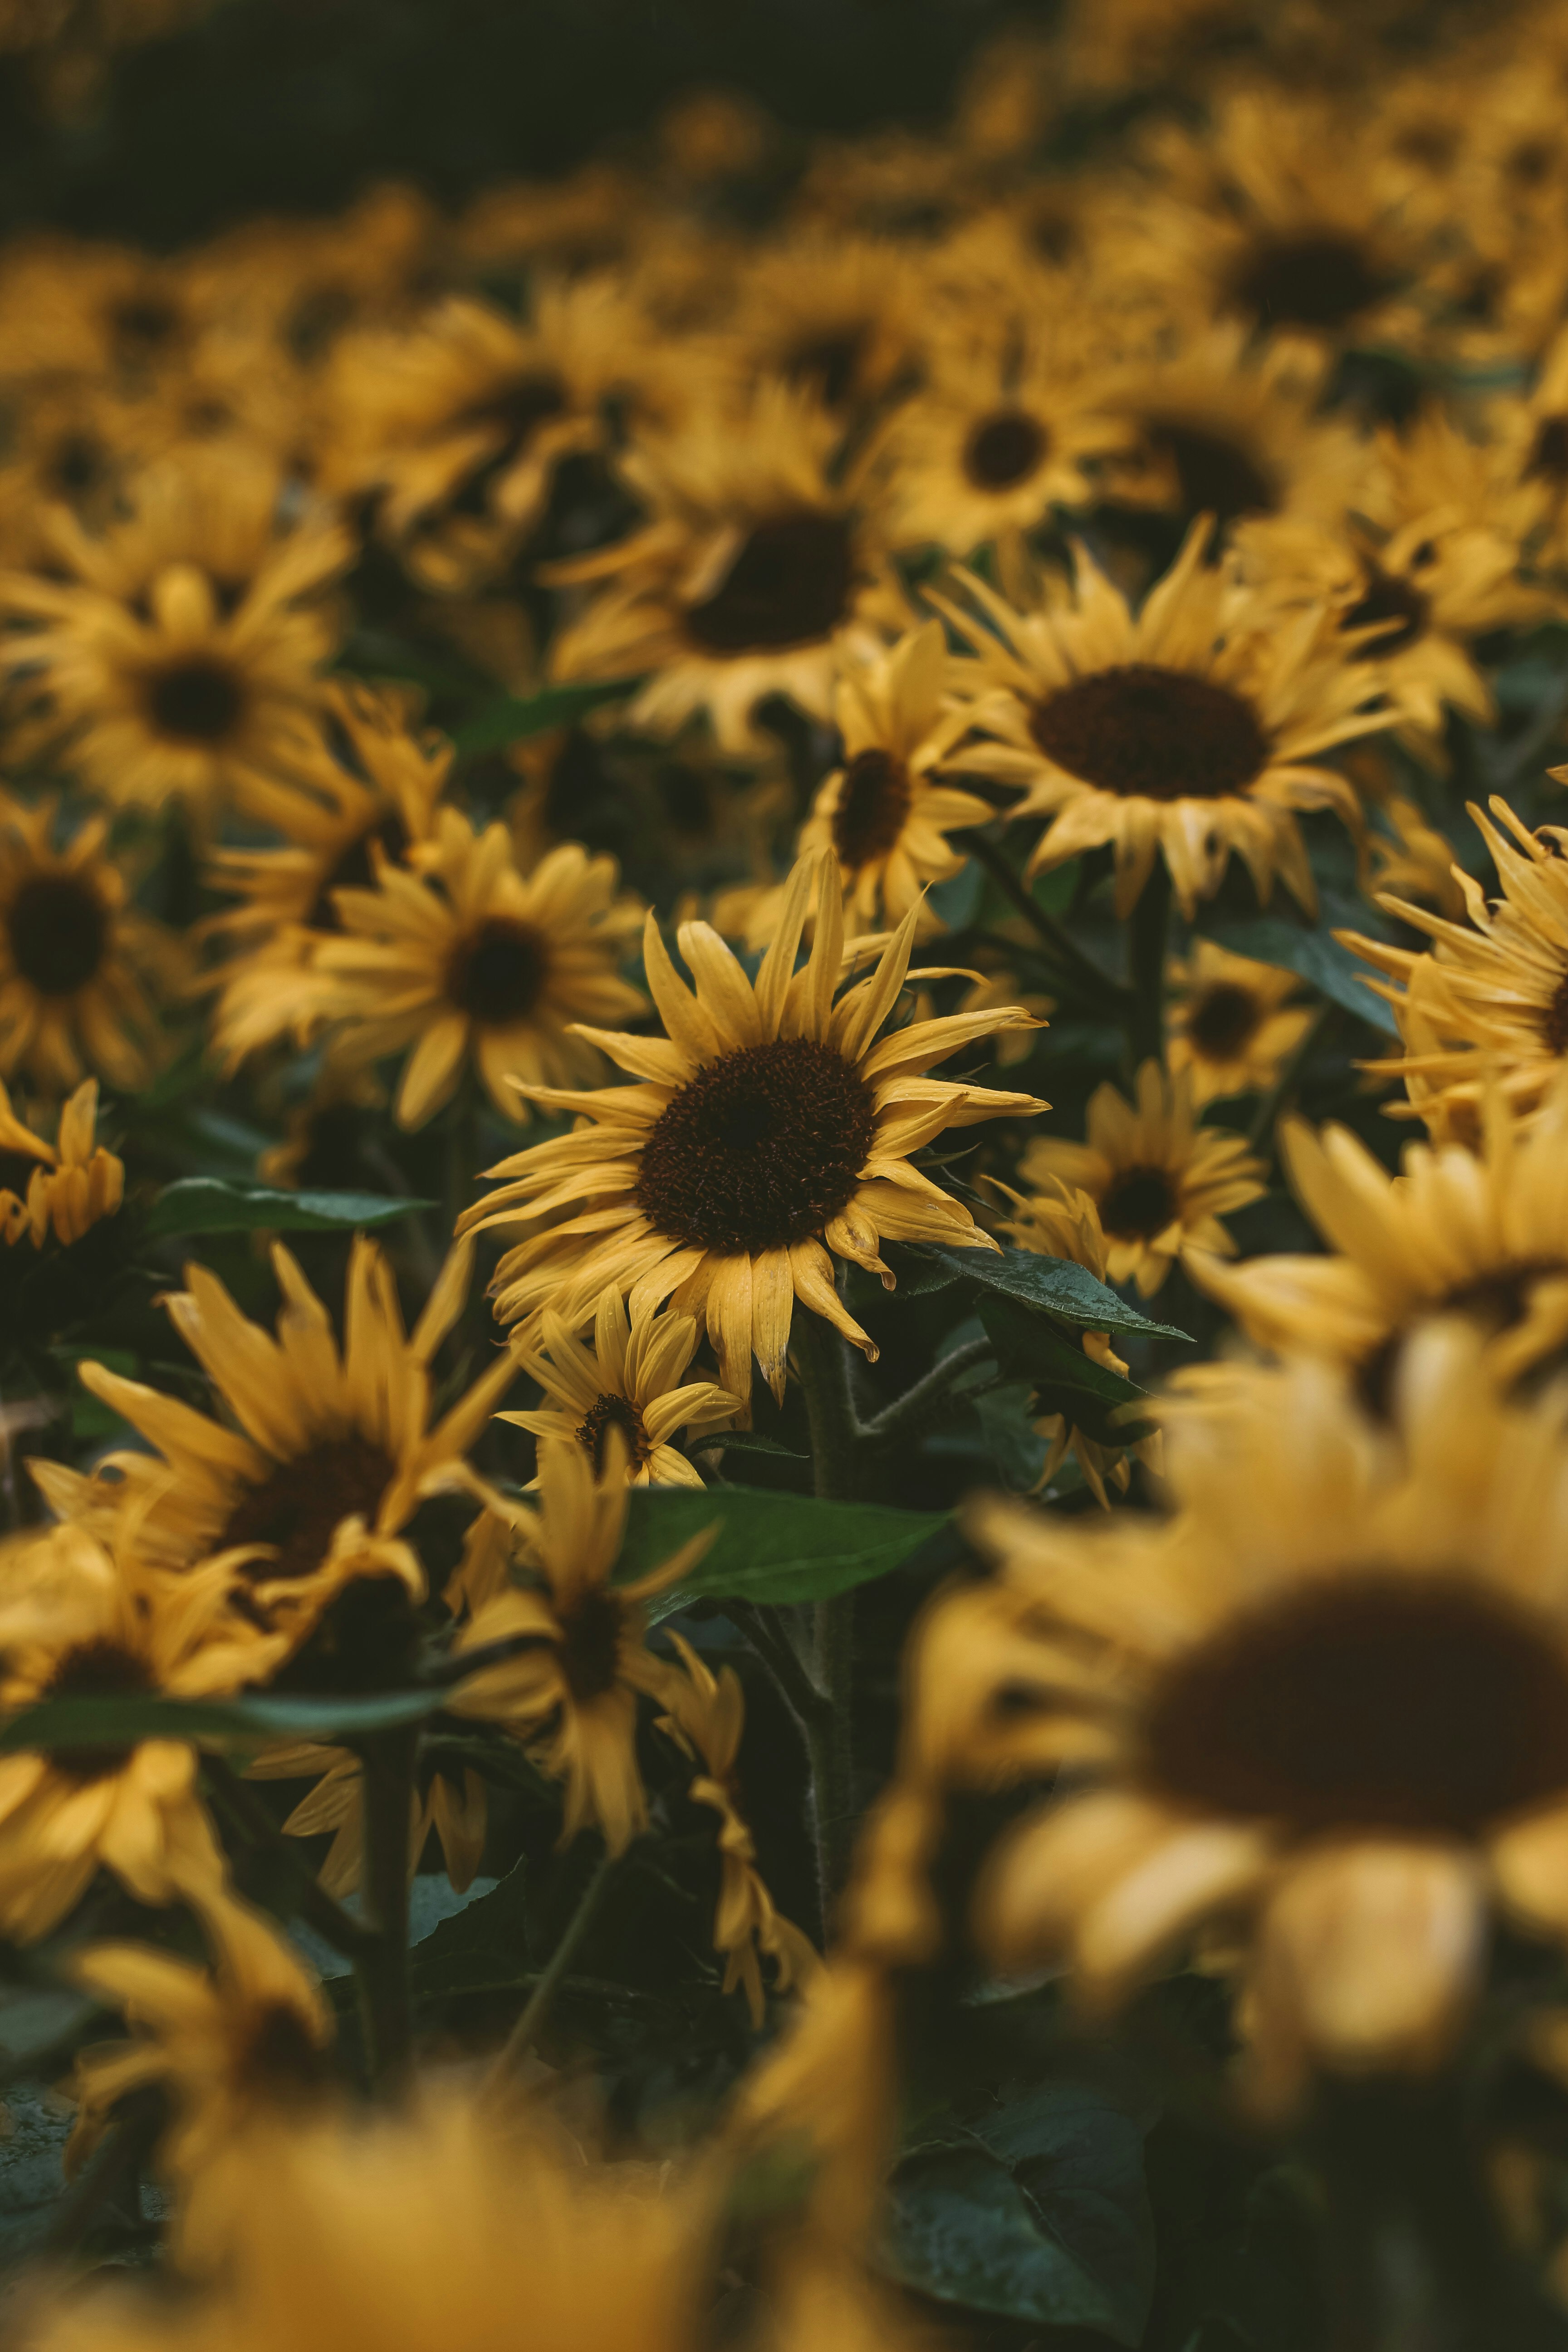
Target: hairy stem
x=907, y=1412
x=542, y=1999
x=382, y=1963
x=1151, y=924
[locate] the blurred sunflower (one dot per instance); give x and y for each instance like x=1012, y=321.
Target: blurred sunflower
x=69, y=441
x=1317, y=1572
x=841, y=318
x=1230, y=1024
x=771, y=1126
x=471, y=959
x=1191, y=728
x=632, y=1380
x=1418, y=862
x=1159, y=1181
x=457, y=1811
x=74, y=1182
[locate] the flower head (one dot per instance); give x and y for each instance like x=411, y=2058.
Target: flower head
x=75, y=1181
x=1231, y=1024
x=632, y=1380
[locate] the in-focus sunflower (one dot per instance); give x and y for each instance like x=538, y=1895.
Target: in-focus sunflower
x=706, y=1716
x=457, y=1811
x=633, y=1379
x=1191, y=729
x=884, y=814
x=771, y=1126
x=1160, y=1182
x=571, y=1696
x=246, y=2041
x=333, y=1453
x=81, y=970
x=1325, y=1708
x=1230, y=1023
x=471, y=960
x=179, y=654
x=74, y=1182
x=754, y=559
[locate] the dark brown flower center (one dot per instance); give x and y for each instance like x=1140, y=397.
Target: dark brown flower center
x=142, y=324
x=1373, y=1701
x=77, y=464
x=592, y=1648
x=352, y=869
x=58, y=930
x=758, y=1149
x=1224, y=1020
x=788, y=584
x=282, y=2064
x=1554, y=1020
x=1004, y=449
x=1215, y=473
x=301, y=1505
x=101, y=1669
x=1319, y=278
x=830, y=363
x=1394, y=605
x=498, y=971
x=1139, y=1202
x=1548, y=453
x=1153, y=734
x=196, y=701
x=608, y=1412
x=873, y=803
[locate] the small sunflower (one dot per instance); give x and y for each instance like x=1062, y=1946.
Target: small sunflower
x=179, y=654
x=457, y=1811
x=884, y=814
x=571, y=1696
x=1418, y=862
x=75, y=1183
x=1192, y=728
x=471, y=959
x=81, y=970
x=771, y=1126
x=333, y=1453
x=1231, y=1024
x=1326, y=1705
x=1160, y=1182
x=632, y=1380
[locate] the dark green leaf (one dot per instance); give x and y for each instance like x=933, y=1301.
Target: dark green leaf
x=482, y=1949
x=770, y=1548
x=206, y=1204
x=1052, y=1285
x=745, y=1441
x=236, y=1722
x=1311, y=950
x=1063, y=1378
x=1015, y=1447
x=513, y=719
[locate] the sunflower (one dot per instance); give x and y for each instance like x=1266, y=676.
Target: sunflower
x=471, y=959
x=244, y=2042
x=1231, y=1024
x=1325, y=1705
x=771, y=1126
x=1160, y=1182
x=69, y=441
x=1531, y=433
x=456, y=1811
x=179, y=653
x=706, y=1716
x=80, y=1623
x=1193, y=728
x=74, y=1182
x=1418, y=862
x=841, y=318
x=332, y=1455
x=754, y=560
x=571, y=1696
x=81, y=970
x=1059, y=1222
x=883, y=813
x=633, y=1379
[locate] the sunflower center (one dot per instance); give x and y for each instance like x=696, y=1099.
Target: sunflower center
x=1394, y=603
x=830, y=363
x=1153, y=734
x=1004, y=449
x=498, y=971
x=788, y=584
x=758, y=1149
x=1549, y=454
x=1554, y=1020
x=196, y=701
x=281, y=2064
x=1213, y=474
x=592, y=1648
x=58, y=930
x=1371, y=1701
x=1138, y=1203
x=1319, y=278
x=352, y=869
x=873, y=803
x=100, y=1669
x=76, y=465
x=301, y=1505
x=608, y=1412
x=143, y=323
x=1224, y=1021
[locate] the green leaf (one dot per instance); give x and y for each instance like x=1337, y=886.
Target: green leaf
x=745, y=1441
x=482, y=1949
x=770, y=1548
x=1311, y=950
x=1015, y=1447
x=1063, y=1378
x=1035, y=2211
x=122, y=1722
x=514, y=718
x=1051, y=1285
x=206, y=1204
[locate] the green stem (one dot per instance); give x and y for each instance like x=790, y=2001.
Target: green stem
x=382, y=1963
x=822, y=1362
x=1284, y=1086
x=319, y=1909
x=822, y=1365
x=1070, y=958
x=1151, y=924
x=115, y=2165
x=916, y=1402
x=542, y=1999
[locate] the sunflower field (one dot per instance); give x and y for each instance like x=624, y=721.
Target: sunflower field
x=783, y=1176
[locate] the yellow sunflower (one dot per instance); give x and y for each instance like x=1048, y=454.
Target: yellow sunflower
x=1531, y=433
x=842, y=318
x=75, y=1181
x=1230, y=1023
x=81, y=970
x=571, y=1696
x=1417, y=862
x=633, y=1379
x=180, y=653
x=771, y=1126
x=756, y=558
x=244, y=2042
x=884, y=814
x=1193, y=728
x=1160, y=1182
x=457, y=1811
x=1326, y=1706
x=333, y=1453
x=471, y=960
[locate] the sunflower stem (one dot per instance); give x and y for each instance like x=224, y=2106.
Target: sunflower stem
x=542, y=1999
x=1146, y=949
x=1074, y=966
x=1284, y=1087
x=906, y=1412
x=822, y=1363
x=319, y=1909
x=462, y=1152
x=382, y=1963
